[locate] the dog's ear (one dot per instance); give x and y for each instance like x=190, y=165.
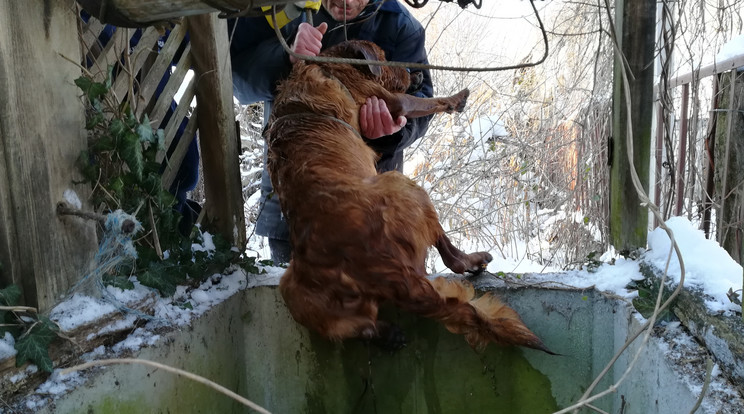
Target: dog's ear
x=367, y=51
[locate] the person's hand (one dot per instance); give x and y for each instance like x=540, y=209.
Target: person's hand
x=308, y=40
x=375, y=119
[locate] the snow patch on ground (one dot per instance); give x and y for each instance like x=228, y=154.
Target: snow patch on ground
x=7, y=346
x=707, y=265
x=689, y=360
x=80, y=310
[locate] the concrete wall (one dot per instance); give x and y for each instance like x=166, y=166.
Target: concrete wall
x=251, y=345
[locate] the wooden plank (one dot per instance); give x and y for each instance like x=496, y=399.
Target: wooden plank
x=682, y=157
x=659, y=156
x=135, y=13
x=181, y=111
x=162, y=63
x=176, y=158
x=163, y=102
x=729, y=166
x=145, y=47
x=219, y=148
x=65, y=352
x=111, y=54
x=41, y=136
x=91, y=46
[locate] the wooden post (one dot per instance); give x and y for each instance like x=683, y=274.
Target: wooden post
x=635, y=26
x=42, y=134
x=216, y=120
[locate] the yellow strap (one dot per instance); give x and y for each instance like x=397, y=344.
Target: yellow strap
x=291, y=12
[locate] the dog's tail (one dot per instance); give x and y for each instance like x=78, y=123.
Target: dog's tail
x=482, y=320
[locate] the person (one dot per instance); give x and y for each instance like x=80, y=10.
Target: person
x=259, y=62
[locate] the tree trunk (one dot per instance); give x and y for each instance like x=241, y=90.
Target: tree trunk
x=729, y=166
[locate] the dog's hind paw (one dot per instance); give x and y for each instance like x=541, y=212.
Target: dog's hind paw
x=480, y=262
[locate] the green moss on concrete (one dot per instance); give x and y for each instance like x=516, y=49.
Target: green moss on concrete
x=436, y=373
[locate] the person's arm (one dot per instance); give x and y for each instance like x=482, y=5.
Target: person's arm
x=410, y=48
x=258, y=60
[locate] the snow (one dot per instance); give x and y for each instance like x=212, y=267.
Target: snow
x=487, y=127
x=731, y=49
x=207, y=244
x=80, y=310
x=71, y=197
x=136, y=340
x=7, y=344
x=708, y=267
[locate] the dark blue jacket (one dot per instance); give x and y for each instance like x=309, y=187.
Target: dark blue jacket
x=259, y=62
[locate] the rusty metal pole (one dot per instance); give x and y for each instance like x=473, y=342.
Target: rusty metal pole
x=682, y=150
x=659, y=152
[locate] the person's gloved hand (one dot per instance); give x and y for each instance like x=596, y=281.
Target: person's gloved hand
x=308, y=40
x=375, y=120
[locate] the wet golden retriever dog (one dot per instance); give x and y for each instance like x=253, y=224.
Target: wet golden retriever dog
x=360, y=238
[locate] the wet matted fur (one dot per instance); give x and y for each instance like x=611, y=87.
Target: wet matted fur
x=360, y=238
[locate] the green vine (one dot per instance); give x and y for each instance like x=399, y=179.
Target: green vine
x=121, y=164
x=648, y=291
x=32, y=333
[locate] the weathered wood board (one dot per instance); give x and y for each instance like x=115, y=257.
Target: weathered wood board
x=41, y=136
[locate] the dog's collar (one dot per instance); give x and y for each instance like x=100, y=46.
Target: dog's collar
x=314, y=115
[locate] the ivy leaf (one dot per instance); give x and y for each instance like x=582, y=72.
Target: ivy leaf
x=10, y=296
x=186, y=305
x=131, y=153
x=109, y=76
x=160, y=139
x=117, y=128
x=93, y=121
x=93, y=90
x=120, y=281
x=144, y=131
x=117, y=185
x=249, y=265
x=156, y=278
x=645, y=303
x=33, y=346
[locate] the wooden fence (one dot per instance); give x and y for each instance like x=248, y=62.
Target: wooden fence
x=146, y=58
x=42, y=131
